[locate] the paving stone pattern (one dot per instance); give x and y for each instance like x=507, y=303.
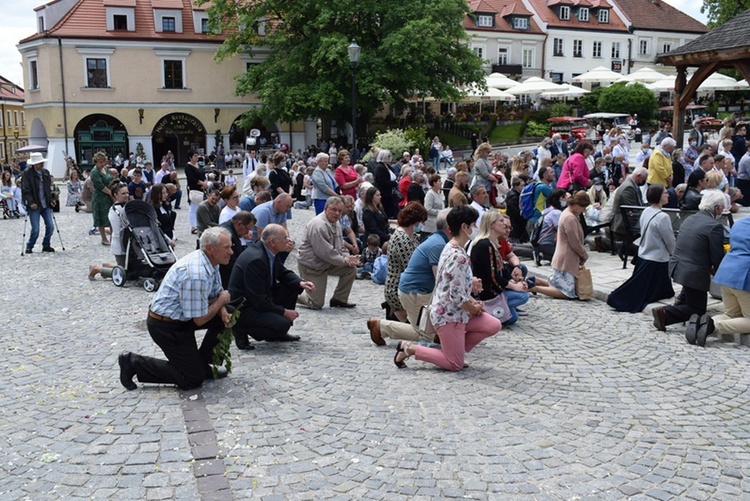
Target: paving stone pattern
x=574, y=402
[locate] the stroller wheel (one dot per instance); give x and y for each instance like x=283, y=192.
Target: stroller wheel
x=150, y=285
x=118, y=276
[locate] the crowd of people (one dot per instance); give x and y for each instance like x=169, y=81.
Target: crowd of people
x=441, y=246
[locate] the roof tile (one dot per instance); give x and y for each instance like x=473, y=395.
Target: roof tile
x=549, y=16
x=659, y=16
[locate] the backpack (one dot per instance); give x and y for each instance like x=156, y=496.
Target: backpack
x=536, y=232
x=526, y=201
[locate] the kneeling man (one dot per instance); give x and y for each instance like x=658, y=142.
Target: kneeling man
x=270, y=290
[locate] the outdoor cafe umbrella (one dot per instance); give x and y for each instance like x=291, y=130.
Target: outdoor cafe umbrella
x=568, y=91
x=600, y=74
x=499, y=81
x=717, y=81
x=644, y=75
x=491, y=94
x=534, y=85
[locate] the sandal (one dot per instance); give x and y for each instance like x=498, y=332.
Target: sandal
x=401, y=348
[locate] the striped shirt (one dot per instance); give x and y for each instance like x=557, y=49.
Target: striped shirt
x=187, y=287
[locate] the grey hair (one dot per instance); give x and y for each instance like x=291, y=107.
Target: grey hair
x=334, y=201
x=320, y=157
x=212, y=237
x=370, y=178
x=668, y=141
x=640, y=171
x=681, y=187
x=272, y=231
x=383, y=156
x=475, y=189
x=711, y=200
x=441, y=221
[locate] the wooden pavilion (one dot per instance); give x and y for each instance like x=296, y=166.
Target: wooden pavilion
x=727, y=46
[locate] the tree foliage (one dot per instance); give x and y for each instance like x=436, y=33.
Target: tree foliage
x=408, y=47
x=622, y=98
x=721, y=11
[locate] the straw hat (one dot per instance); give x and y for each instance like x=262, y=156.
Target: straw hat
x=36, y=158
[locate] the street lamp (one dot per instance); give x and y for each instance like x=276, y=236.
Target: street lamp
x=354, y=62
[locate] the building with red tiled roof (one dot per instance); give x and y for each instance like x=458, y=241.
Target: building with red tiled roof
x=505, y=34
x=12, y=119
x=656, y=28
x=134, y=71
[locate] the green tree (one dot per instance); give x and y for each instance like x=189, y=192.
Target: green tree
x=408, y=47
x=721, y=11
x=622, y=98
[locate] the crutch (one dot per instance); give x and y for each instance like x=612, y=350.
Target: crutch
x=23, y=241
x=57, y=228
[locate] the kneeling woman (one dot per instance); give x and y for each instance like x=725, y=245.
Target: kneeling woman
x=489, y=268
x=650, y=281
x=459, y=319
x=570, y=254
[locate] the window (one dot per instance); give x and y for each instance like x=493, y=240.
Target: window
x=479, y=51
x=643, y=47
x=564, y=12
x=168, y=24
x=15, y=118
x=33, y=75
x=527, y=58
x=120, y=22
x=23, y=119
x=204, y=25
x=502, y=55
x=96, y=73
x=557, y=78
x=41, y=24
x=583, y=14
x=484, y=20
x=8, y=122
x=521, y=23
x=577, y=48
x=596, y=49
x=558, y=47
x=173, y=78
x=603, y=16
x=666, y=47
x=2, y=150
x=615, y=50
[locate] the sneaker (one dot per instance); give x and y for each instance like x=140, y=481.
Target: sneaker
x=521, y=313
x=29, y=250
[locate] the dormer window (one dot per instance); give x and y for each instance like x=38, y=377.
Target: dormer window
x=564, y=13
x=40, y=22
x=120, y=22
x=485, y=20
x=603, y=16
x=120, y=15
x=583, y=14
x=520, y=23
x=167, y=24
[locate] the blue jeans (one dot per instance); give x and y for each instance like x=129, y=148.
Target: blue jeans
x=49, y=226
x=176, y=197
x=515, y=299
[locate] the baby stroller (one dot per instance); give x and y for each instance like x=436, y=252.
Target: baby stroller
x=147, y=253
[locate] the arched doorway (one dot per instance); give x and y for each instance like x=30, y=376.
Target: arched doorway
x=99, y=132
x=178, y=133
x=237, y=134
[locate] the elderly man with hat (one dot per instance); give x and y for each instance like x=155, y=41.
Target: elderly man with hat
x=36, y=190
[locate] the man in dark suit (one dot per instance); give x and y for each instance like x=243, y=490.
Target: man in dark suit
x=240, y=228
x=270, y=290
x=558, y=146
x=699, y=251
x=629, y=193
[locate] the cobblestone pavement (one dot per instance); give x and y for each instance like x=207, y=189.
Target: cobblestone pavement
x=575, y=402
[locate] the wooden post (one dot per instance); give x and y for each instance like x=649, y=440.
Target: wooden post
x=678, y=114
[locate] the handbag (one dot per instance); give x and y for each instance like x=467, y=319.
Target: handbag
x=397, y=195
x=196, y=196
x=498, y=307
x=584, y=284
x=424, y=324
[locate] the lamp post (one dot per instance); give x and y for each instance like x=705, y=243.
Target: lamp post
x=354, y=62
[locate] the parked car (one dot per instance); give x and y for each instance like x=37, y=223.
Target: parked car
x=566, y=126
x=612, y=120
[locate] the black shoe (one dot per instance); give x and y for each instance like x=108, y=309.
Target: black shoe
x=48, y=249
x=335, y=303
x=660, y=319
x=29, y=250
x=245, y=346
x=176, y=208
x=127, y=371
x=78, y=208
x=705, y=328
x=284, y=338
x=691, y=331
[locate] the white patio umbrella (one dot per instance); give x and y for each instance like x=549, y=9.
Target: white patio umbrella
x=491, y=94
x=499, y=81
x=666, y=85
x=644, y=75
x=568, y=91
x=599, y=74
x=533, y=85
x=717, y=81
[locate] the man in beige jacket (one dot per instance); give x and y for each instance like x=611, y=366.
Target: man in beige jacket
x=322, y=253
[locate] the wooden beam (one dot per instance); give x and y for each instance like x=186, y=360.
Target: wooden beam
x=698, y=77
x=744, y=68
x=678, y=111
x=710, y=56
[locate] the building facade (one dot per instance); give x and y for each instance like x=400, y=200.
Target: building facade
x=12, y=121
x=114, y=75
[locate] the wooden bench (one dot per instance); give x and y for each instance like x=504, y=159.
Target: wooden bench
x=631, y=215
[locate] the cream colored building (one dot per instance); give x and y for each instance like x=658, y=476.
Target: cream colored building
x=110, y=74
